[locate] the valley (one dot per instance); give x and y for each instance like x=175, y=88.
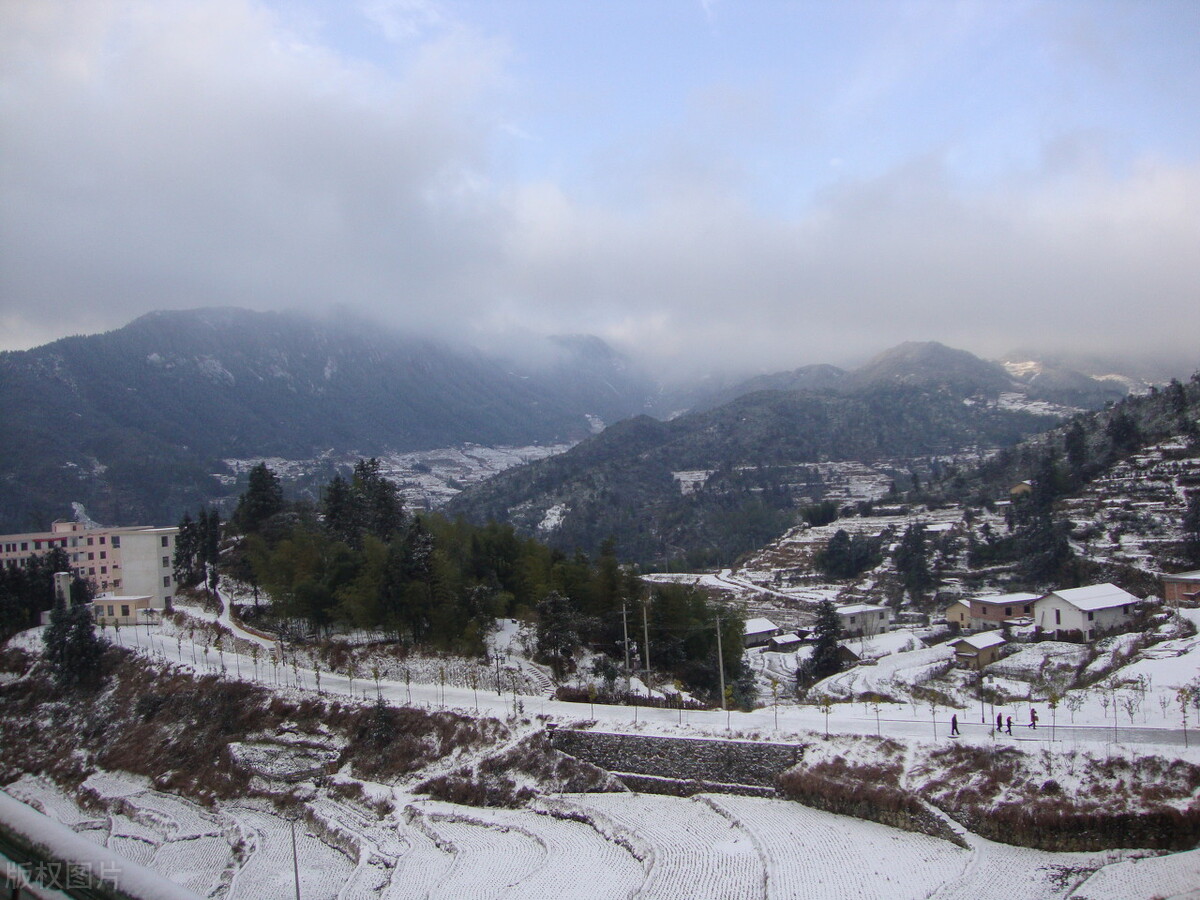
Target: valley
x=424, y=659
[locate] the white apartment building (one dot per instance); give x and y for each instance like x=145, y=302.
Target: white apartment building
x=133, y=560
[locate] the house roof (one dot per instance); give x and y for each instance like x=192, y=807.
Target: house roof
x=1183, y=576
x=790, y=638
x=982, y=641
x=758, y=626
x=1006, y=599
x=1094, y=596
x=855, y=608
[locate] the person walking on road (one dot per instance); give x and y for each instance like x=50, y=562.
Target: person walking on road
x=1032, y=717
x=999, y=722
x=1009, y=729
x=954, y=725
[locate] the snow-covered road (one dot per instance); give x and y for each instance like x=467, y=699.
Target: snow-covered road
x=782, y=723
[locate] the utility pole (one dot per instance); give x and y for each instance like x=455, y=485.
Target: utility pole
x=625, y=626
x=295, y=861
x=646, y=633
x=721, y=661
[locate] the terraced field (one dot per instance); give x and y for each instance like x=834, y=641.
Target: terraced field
x=581, y=846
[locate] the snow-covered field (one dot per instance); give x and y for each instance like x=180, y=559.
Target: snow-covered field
x=625, y=845
x=427, y=478
x=584, y=846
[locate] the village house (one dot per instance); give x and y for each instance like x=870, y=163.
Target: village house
x=1021, y=489
x=1085, y=612
x=958, y=613
x=1182, y=588
x=993, y=610
x=864, y=619
x=759, y=632
x=785, y=643
x=978, y=650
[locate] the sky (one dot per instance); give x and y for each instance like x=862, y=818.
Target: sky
x=703, y=183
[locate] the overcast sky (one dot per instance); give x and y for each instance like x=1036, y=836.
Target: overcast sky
x=757, y=182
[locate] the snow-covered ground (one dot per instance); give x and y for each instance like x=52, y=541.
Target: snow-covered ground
x=584, y=846
x=427, y=478
x=643, y=845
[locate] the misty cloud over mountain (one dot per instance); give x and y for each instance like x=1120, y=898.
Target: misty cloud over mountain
x=176, y=155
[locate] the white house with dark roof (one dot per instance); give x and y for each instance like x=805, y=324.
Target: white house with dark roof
x=1090, y=611
x=864, y=618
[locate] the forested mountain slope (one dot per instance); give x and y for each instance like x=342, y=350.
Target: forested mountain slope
x=134, y=422
x=751, y=454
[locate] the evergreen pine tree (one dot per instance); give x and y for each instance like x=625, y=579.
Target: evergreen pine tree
x=73, y=650
x=826, y=655
x=1191, y=529
x=262, y=500
x=911, y=563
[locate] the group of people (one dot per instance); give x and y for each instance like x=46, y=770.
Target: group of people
x=1003, y=723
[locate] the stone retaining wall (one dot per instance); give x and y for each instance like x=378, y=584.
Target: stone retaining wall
x=710, y=761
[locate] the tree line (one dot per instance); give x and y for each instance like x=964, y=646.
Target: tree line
x=28, y=591
x=357, y=559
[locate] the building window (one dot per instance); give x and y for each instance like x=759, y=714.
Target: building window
x=24, y=545
x=37, y=545
x=91, y=554
x=91, y=570
x=166, y=581
x=104, y=554
x=103, y=539
x=104, y=571
x=1008, y=610
x=166, y=562
x=1125, y=609
x=165, y=540
x=116, y=540
x=1091, y=617
x=1058, y=617
x=1026, y=608
x=125, y=610
x=90, y=542
x=116, y=583
x=110, y=609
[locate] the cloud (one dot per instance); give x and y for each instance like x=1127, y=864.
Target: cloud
x=183, y=154
x=1083, y=262
x=402, y=20
x=163, y=154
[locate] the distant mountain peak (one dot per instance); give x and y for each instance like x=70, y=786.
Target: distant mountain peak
x=932, y=364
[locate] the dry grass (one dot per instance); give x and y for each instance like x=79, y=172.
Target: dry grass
x=1013, y=797
x=176, y=728
x=541, y=768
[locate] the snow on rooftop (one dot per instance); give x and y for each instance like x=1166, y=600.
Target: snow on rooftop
x=758, y=626
x=983, y=640
x=1007, y=599
x=1095, y=596
x=855, y=608
x=1194, y=575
